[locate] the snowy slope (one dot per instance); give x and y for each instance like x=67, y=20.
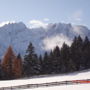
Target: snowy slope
x=48, y=79
x=19, y=36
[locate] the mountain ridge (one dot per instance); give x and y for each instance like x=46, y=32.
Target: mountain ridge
x=18, y=35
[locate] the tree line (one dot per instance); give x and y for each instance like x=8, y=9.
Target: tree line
x=59, y=60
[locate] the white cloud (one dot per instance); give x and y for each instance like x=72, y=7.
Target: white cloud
x=50, y=42
x=6, y=22
x=46, y=19
x=77, y=15
x=37, y=23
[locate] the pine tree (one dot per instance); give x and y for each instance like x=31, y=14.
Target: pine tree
x=86, y=53
x=40, y=60
x=17, y=66
x=30, y=61
x=45, y=64
x=56, y=60
x=41, y=64
x=0, y=71
x=67, y=64
x=76, y=52
x=52, y=64
x=7, y=63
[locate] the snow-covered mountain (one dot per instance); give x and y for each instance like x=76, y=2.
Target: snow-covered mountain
x=19, y=36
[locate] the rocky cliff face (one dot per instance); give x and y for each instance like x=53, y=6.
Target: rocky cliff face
x=19, y=36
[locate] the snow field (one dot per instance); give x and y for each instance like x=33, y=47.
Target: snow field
x=56, y=78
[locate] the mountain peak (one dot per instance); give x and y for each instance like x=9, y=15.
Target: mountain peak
x=6, y=23
x=10, y=23
x=19, y=36
x=12, y=26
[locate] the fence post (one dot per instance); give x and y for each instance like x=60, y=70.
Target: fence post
x=11, y=88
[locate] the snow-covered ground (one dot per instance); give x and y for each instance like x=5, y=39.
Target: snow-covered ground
x=55, y=78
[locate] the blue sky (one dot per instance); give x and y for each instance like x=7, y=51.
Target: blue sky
x=45, y=11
